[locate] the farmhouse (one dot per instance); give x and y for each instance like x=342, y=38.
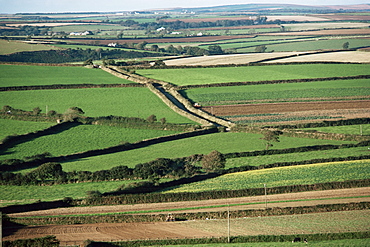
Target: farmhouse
x=81, y=33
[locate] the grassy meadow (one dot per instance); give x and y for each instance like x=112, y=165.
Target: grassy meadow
x=14, y=127
x=31, y=193
x=81, y=138
x=222, y=142
x=363, y=129
x=127, y=102
x=8, y=47
x=283, y=176
x=30, y=75
x=285, y=91
x=293, y=157
x=196, y=76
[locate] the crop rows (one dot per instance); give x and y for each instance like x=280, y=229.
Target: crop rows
x=284, y=176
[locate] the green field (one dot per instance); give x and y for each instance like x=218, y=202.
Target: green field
x=283, y=176
x=8, y=47
x=127, y=102
x=286, y=91
x=27, y=75
x=195, y=76
x=295, y=157
x=31, y=193
x=13, y=127
x=363, y=129
x=222, y=142
x=81, y=138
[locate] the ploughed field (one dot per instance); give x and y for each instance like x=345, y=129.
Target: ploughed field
x=291, y=111
x=271, y=225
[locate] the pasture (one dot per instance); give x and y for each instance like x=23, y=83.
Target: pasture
x=81, y=138
x=196, y=76
x=363, y=129
x=31, y=193
x=222, y=142
x=13, y=127
x=29, y=75
x=283, y=176
x=295, y=157
x=95, y=102
x=8, y=47
x=280, y=92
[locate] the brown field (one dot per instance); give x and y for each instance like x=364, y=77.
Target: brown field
x=296, y=112
x=336, y=17
x=229, y=110
x=227, y=59
x=68, y=234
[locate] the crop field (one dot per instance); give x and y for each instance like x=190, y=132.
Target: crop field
x=222, y=142
x=324, y=25
x=227, y=59
x=293, y=157
x=13, y=127
x=312, y=45
x=283, y=176
x=280, y=92
x=81, y=138
x=345, y=242
x=345, y=56
x=128, y=102
x=26, y=75
x=196, y=76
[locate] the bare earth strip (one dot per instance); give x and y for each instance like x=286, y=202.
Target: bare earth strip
x=354, y=192
x=228, y=59
x=76, y=234
x=346, y=56
x=229, y=110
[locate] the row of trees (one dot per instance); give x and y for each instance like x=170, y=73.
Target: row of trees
x=52, y=172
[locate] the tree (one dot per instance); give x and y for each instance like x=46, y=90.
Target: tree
x=73, y=113
x=88, y=62
x=345, y=45
x=215, y=50
x=214, y=161
x=270, y=136
x=260, y=48
x=163, y=120
x=151, y=119
x=36, y=111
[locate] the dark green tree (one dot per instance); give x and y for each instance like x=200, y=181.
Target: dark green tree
x=151, y=119
x=260, y=48
x=346, y=45
x=215, y=50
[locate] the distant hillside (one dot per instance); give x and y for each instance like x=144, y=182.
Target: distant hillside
x=274, y=7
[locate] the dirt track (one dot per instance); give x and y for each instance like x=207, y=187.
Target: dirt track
x=76, y=234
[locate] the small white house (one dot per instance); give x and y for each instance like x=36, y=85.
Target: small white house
x=161, y=29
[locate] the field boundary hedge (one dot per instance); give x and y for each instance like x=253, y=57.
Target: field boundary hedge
x=131, y=218
x=235, y=239
x=67, y=86
x=109, y=150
